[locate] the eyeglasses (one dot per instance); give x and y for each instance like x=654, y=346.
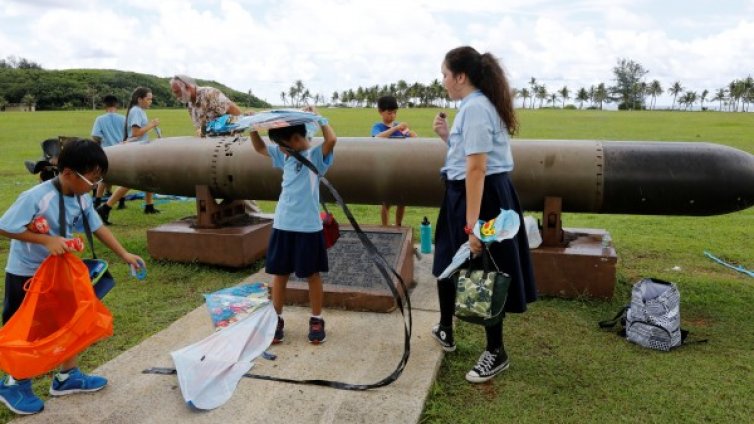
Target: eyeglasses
x=91, y=184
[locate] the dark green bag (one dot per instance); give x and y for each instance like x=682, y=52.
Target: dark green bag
x=481, y=293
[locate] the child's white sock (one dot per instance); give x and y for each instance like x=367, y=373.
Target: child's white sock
x=317, y=316
x=63, y=375
x=11, y=381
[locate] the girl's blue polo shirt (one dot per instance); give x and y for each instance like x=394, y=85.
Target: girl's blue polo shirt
x=298, y=205
x=477, y=128
x=137, y=117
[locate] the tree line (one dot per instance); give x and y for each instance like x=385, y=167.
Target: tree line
x=408, y=95
x=27, y=83
x=630, y=91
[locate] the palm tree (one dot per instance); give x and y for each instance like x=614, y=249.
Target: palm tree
x=541, y=94
x=655, y=89
x=688, y=99
x=640, y=91
x=436, y=89
x=600, y=94
x=534, y=89
x=525, y=94
x=334, y=97
x=581, y=96
x=293, y=95
x=552, y=98
x=675, y=90
x=736, y=91
x=704, y=95
x=719, y=96
x=564, y=94
x=748, y=85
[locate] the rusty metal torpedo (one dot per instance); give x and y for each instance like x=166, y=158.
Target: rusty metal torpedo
x=652, y=178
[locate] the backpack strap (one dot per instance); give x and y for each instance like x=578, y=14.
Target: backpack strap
x=61, y=206
x=619, y=317
x=87, y=229
x=61, y=216
x=684, y=337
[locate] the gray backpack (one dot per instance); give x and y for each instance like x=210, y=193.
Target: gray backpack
x=653, y=318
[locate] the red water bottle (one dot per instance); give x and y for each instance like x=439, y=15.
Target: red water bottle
x=39, y=225
x=75, y=244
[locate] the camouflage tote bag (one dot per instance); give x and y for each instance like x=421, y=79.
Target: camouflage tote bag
x=481, y=293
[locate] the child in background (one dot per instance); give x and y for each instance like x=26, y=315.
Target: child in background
x=297, y=243
x=387, y=107
x=81, y=165
x=137, y=128
x=108, y=131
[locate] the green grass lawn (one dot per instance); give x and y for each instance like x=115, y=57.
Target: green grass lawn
x=563, y=369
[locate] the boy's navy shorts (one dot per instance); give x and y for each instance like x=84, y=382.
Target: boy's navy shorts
x=293, y=252
x=14, y=294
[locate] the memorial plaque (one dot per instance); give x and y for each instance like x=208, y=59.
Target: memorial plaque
x=354, y=282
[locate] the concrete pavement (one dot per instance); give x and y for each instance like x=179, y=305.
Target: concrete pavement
x=360, y=348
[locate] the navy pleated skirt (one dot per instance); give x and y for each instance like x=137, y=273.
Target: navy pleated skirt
x=512, y=256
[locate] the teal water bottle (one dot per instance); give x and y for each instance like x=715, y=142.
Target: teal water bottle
x=426, y=236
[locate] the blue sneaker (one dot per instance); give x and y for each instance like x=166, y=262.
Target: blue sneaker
x=76, y=382
x=19, y=397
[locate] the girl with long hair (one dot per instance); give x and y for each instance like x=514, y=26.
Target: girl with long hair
x=477, y=186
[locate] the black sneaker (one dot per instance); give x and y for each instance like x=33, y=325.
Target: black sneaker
x=444, y=336
x=122, y=203
x=149, y=209
x=279, y=331
x=104, y=212
x=316, y=330
x=489, y=365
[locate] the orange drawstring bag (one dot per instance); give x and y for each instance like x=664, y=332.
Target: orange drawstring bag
x=59, y=317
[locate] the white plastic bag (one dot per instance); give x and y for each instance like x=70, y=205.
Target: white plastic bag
x=209, y=370
x=532, y=232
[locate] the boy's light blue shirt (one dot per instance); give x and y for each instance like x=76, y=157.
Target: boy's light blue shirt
x=137, y=117
x=298, y=205
x=477, y=128
x=109, y=127
x=42, y=200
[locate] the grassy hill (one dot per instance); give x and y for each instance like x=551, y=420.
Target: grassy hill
x=84, y=88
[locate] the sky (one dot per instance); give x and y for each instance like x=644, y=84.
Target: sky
x=334, y=45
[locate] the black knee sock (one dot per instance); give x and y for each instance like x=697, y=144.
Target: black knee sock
x=447, y=295
x=495, y=337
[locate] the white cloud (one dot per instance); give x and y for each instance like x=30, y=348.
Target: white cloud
x=336, y=44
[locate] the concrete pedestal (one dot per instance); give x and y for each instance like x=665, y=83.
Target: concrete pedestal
x=582, y=268
x=235, y=246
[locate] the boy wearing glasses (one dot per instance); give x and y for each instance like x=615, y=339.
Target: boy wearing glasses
x=81, y=165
